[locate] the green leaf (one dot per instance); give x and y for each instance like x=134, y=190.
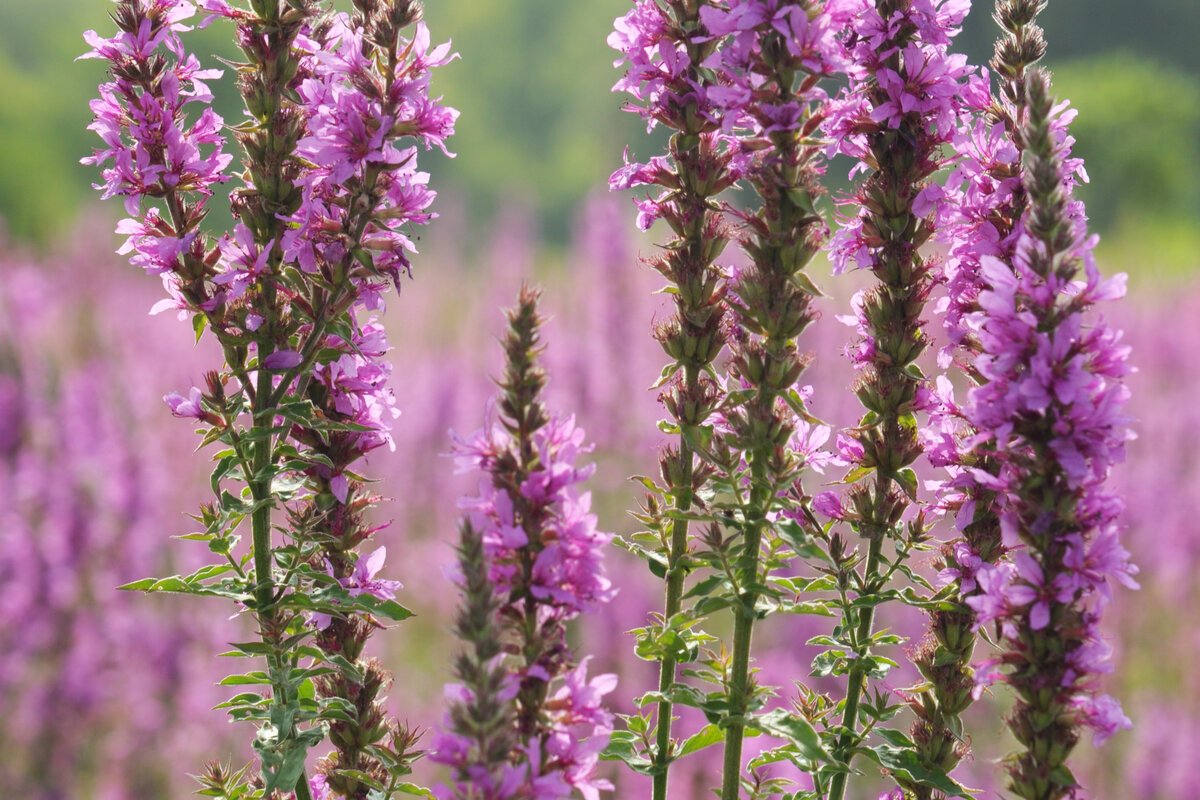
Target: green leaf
x=798, y=584
x=706, y=737
x=830, y=662
x=138, y=586
x=904, y=763
x=795, y=729
x=247, y=679
x=707, y=586
x=698, y=437
x=362, y=777
x=907, y=479
x=389, y=609
x=622, y=746
x=199, y=323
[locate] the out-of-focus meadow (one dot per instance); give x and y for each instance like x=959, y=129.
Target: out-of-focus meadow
x=107, y=696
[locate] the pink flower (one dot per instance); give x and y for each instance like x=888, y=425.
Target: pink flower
x=363, y=581
x=190, y=407
x=281, y=360
x=1103, y=714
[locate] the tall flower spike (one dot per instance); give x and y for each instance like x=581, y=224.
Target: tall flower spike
x=336, y=106
x=983, y=220
x=772, y=57
x=900, y=109
x=1052, y=402
x=543, y=561
x=663, y=46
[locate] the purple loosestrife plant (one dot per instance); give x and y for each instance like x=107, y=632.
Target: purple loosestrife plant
x=900, y=110
x=663, y=46
x=525, y=721
x=1051, y=401
x=986, y=199
x=335, y=107
x=771, y=59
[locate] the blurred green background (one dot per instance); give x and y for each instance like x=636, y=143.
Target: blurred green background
x=541, y=128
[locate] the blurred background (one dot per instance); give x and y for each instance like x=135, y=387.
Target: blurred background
x=106, y=696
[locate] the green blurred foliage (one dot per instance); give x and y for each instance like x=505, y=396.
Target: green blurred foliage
x=1139, y=128
x=539, y=121
x=1163, y=30
x=541, y=127
x=43, y=108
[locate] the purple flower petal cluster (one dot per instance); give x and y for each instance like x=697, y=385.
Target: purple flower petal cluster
x=355, y=118
x=363, y=580
x=579, y=729
x=560, y=767
x=903, y=79
x=811, y=38
x=156, y=146
x=567, y=573
x=661, y=64
x=1050, y=407
x=658, y=64
x=151, y=148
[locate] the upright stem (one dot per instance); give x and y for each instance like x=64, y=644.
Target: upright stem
x=743, y=632
x=264, y=589
x=857, y=679
x=671, y=607
x=260, y=522
x=693, y=337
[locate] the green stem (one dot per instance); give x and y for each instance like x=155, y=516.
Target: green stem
x=264, y=445
x=671, y=607
x=743, y=631
x=854, y=687
x=261, y=489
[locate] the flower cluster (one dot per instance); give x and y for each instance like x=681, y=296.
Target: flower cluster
x=355, y=117
x=663, y=55
x=904, y=84
x=1050, y=403
x=531, y=558
x=808, y=33
x=152, y=150
x=336, y=105
x=567, y=574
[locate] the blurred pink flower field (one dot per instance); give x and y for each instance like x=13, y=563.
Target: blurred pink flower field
x=106, y=694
